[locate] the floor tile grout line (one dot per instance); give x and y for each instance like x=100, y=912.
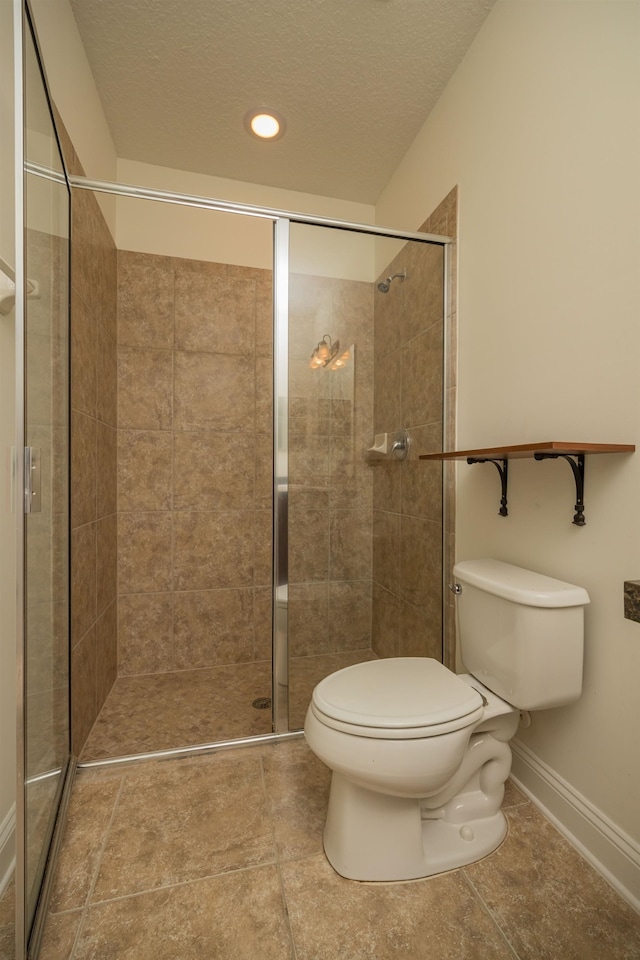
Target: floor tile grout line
x=267, y=807
x=278, y=864
x=94, y=880
x=285, y=907
x=304, y=856
x=178, y=883
x=489, y=913
x=518, y=803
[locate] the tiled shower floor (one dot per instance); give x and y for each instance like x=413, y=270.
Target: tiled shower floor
x=159, y=712
x=220, y=857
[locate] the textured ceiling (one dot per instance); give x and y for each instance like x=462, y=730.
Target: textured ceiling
x=355, y=80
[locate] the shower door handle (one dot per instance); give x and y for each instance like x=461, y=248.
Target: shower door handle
x=32, y=480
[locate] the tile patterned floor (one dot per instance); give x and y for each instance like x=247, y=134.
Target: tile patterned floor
x=163, y=711
x=220, y=857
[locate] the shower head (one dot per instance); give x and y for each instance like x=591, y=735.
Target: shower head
x=385, y=285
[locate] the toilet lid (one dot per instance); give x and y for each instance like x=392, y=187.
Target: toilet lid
x=396, y=693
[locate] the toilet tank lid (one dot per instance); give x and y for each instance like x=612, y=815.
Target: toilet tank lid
x=519, y=585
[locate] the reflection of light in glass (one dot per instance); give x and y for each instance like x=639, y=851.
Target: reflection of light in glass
x=341, y=361
x=8, y=288
x=324, y=353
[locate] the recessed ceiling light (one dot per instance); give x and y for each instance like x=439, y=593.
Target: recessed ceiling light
x=265, y=124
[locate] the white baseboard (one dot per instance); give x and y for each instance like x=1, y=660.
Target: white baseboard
x=609, y=849
x=7, y=848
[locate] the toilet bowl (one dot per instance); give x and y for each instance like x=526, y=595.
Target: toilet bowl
x=420, y=773
x=420, y=755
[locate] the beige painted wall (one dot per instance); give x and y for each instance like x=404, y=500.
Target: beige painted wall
x=539, y=127
x=169, y=230
x=74, y=92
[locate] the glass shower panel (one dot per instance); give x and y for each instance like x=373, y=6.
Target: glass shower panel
x=46, y=667
x=409, y=325
x=195, y=484
x=331, y=302
x=365, y=527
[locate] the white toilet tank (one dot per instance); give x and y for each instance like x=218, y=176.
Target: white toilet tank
x=521, y=633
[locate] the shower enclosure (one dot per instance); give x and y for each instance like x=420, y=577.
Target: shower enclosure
x=262, y=541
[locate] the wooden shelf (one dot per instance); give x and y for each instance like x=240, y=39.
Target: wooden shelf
x=520, y=451
x=573, y=453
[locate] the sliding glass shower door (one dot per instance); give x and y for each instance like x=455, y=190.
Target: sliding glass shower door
x=364, y=383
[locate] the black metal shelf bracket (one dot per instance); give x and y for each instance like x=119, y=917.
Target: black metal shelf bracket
x=576, y=462
x=502, y=466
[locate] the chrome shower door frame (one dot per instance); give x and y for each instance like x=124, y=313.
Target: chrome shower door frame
x=280, y=569
x=30, y=911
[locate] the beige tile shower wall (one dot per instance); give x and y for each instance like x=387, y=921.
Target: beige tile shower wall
x=407, y=495
x=194, y=464
x=331, y=482
x=93, y=458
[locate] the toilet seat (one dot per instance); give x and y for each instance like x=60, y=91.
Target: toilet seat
x=396, y=699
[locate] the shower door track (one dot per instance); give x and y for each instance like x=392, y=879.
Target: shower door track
x=203, y=748
x=281, y=224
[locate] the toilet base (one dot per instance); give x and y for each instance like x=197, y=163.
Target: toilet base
x=372, y=836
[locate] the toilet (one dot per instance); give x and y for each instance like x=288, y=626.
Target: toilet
x=420, y=755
